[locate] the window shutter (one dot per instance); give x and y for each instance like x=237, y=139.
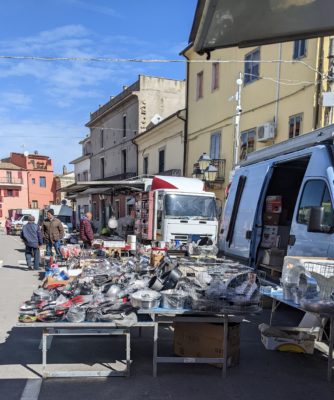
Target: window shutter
x=5, y=194
x=19, y=174
x=0, y=213
x=15, y=193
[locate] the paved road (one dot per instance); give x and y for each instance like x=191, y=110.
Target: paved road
x=261, y=374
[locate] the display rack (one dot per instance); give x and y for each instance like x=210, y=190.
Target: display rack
x=144, y=215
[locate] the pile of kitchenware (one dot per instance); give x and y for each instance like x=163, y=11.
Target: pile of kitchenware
x=112, y=290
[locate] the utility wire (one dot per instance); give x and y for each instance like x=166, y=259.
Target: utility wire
x=143, y=60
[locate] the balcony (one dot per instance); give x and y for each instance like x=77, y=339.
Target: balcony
x=11, y=181
x=217, y=163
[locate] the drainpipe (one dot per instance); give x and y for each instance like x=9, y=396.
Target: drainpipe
x=278, y=87
x=185, y=144
x=320, y=68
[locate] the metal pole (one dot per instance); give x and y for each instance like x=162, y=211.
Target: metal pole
x=225, y=345
x=155, y=348
x=238, y=110
x=44, y=350
x=330, y=350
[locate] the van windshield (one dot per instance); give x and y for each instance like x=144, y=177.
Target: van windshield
x=192, y=207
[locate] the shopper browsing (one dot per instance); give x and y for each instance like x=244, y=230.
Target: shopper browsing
x=86, y=230
x=32, y=237
x=53, y=232
x=8, y=226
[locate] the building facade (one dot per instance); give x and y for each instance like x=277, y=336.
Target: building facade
x=82, y=174
x=161, y=147
x=278, y=100
x=114, y=126
x=40, y=183
x=61, y=181
x=13, y=189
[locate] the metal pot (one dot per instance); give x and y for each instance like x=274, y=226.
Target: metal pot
x=156, y=283
x=145, y=299
x=173, y=299
x=172, y=278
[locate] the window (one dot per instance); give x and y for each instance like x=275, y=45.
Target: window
x=215, y=76
x=299, y=49
x=295, y=125
x=124, y=125
x=42, y=181
x=145, y=166
x=33, y=181
x=315, y=194
x=10, y=193
x=101, y=138
x=9, y=176
x=247, y=143
x=19, y=175
x=78, y=178
x=124, y=166
x=199, y=87
x=161, y=160
x=252, y=66
x=102, y=167
x=34, y=204
x=215, y=146
x=85, y=176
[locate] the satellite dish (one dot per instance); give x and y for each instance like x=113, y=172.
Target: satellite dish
x=26, y=153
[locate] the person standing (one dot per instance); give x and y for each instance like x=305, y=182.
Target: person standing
x=8, y=226
x=53, y=232
x=86, y=230
x=32, y=237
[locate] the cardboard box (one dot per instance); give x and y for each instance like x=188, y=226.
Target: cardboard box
x=274, y=204
x=271, y=218
x=295, y=340
x=269, y=236
x=206, y=340
x=273, y=257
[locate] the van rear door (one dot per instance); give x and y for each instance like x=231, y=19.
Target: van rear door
x=240, y=228
x=316, y=191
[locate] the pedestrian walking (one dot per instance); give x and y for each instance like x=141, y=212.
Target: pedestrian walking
x=8, y=226
x=53, y=232
x=32, y=237
x=86, y=230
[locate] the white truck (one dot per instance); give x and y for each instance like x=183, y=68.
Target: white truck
x=65, y=214
x=176, y=209
x=21, y=218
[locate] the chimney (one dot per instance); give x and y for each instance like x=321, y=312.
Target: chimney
x=64, y=170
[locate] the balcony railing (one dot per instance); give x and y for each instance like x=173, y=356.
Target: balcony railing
x=170, y=172
x=11, y=181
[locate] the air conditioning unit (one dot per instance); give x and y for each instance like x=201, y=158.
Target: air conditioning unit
x=266, y=132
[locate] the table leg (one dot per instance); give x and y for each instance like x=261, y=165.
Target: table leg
x=128, y=354
x=225, y=346
x=274, y=306
x=155, y=348
x=44, y=350
x=330, y=350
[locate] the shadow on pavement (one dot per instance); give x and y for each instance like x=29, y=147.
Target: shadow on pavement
x=16, y=267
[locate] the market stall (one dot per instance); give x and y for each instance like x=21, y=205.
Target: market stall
x=91, y=293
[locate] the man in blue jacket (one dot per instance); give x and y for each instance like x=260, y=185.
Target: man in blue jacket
x=32, y=237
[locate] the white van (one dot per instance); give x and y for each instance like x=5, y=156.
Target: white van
x=281, y=203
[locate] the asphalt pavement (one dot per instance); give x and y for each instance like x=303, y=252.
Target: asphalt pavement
x=261, y=374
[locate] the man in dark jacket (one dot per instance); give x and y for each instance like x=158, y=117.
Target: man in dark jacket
x=53, y=232
x=32, y=237
x=86, y=230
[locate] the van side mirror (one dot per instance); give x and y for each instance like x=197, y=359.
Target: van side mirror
x=316, y=221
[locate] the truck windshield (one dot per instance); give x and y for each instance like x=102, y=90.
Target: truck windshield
x=18, y=216
x=184, y=206
x=64, y=218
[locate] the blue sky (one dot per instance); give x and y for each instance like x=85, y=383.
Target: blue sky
x=45, y=105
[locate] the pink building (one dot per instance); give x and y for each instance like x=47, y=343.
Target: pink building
x=40, y=179
x=13, y=188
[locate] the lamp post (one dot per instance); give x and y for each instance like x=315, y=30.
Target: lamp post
x=205, y=170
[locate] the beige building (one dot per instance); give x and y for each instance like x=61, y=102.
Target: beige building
x=161, y=147
x=279, y=100
x=61, y=181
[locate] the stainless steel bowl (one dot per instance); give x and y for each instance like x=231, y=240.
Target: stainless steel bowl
x=145, y=299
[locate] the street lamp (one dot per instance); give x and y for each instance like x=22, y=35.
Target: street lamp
x=198, y=173
x=204, y=161
x=210, y=173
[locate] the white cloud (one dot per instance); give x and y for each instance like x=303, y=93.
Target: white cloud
x=15, y=98
x=57, y=139
x=87, y=5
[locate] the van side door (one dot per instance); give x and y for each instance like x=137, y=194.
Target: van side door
x=316, y=191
